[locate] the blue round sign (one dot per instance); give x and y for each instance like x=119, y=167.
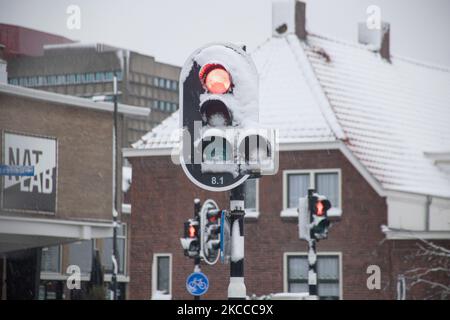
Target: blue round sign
x=197, y=283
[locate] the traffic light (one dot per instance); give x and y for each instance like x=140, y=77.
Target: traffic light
x=222, y=143
x=319, y=206
x=210, y=217
x=191, y=240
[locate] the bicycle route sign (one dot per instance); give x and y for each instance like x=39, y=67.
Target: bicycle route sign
x=197, y=283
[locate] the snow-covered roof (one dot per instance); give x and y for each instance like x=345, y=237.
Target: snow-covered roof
x=392, y=113
x=322, y=90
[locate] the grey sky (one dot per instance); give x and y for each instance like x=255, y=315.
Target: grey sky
x=171, y=29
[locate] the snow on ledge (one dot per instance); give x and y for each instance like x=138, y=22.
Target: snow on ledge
x=251, y=214
x=126, y=208
x=289, y=213
x=159, y=295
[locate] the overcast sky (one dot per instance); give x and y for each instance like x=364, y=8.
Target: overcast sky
x=171, y=29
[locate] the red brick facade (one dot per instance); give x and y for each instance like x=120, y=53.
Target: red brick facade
x=162, y=199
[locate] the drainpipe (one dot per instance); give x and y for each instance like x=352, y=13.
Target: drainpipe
x=427, y=213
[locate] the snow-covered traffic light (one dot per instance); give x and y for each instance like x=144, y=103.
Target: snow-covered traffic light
x=222, y=143
x=210, y=217
x=319, y=206
x=191, y=240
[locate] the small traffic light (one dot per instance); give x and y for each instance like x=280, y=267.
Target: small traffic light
x=319, y=206
x=191, y=240
x=210, y=217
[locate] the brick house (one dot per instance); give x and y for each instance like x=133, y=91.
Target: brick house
x=351, y=124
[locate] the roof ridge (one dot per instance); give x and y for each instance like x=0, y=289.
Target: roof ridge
x=425, y=64
x=317, y=90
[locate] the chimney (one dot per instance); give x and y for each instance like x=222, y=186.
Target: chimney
x=289, y=17
x=376, y=39
x=3, y=72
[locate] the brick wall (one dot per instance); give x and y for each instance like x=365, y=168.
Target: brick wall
x=84, y=152
x=162, y=199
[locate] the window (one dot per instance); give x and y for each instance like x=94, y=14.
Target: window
x=109, y=76
x=162, y=275
x=328, y=274
x=161, y=82
x=155, y=81
x=174, y=85
x=168, y=85
x=298, y=185
x=167, y=107
x=51, y=80
x=251, y=198
x=70, y=79
x=99, y=77
x=90, y=77
x=106, y=247
x=61, y=79
x=297, y=182
x=14, y=81
x=51, y=259
x=328, y=185
x=80, y=254
x=42, y=81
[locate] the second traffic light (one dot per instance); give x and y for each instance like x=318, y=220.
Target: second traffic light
x=191, y=240
x=210, y=239
x=319, y=206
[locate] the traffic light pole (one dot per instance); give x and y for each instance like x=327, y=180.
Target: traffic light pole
x=312, y=253
x=236, y=288
x=197, y=260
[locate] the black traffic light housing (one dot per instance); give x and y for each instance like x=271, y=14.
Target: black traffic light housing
x=319, y=206
x=191, y=240
x=210, y=217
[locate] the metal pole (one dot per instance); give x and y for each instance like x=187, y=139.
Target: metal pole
x=197, y=268
x=236, y=288
x=312, y=254
x=115, y=260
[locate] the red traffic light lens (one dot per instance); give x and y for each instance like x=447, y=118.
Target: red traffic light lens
x=191, y=231
x=215, y=78
x=319, y=208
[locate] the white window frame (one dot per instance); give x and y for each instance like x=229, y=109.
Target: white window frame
x=292, y=212
x=155, y=273
x=125, y=248
x=48, y=274
x=254, y=213
x=305, y=254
